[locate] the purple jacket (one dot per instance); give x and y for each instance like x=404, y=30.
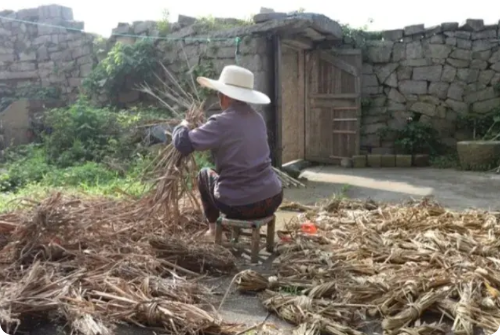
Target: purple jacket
x=238, y=140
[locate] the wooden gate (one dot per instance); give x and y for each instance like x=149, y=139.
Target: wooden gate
x=333, y=107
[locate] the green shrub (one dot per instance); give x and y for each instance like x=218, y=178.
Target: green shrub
x=81, y=133
x=89, y=174
x=124, y=67
x=28, y=168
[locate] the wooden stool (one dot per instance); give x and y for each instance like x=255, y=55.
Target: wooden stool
x=255, y=225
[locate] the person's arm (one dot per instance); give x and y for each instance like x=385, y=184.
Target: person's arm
x=181, y=141
x=206, y=137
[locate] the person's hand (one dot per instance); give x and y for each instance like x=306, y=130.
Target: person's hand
x=186, y=124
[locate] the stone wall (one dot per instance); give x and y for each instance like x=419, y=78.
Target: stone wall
x=43, y=54
x=439, y=72
x=184, y=49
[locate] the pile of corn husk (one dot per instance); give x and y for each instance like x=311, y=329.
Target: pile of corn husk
x=94, y=262
x=414, y=268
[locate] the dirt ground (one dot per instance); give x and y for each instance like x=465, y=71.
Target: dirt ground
x=454, y=189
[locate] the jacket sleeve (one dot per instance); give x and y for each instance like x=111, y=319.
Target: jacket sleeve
x=181, y=141
x=208, y=136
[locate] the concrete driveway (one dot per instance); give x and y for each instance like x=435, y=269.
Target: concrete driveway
x=453, y=189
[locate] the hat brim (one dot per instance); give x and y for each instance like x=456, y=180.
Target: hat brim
x=237, y=93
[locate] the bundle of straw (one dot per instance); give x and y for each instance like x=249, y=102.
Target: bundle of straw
x=173, y=173
x=197, y=257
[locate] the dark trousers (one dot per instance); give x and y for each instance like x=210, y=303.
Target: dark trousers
x=207, y=178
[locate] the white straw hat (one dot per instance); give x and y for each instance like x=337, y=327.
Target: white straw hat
x=237, y=83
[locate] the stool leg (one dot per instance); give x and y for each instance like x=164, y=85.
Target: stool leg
x=271, y=230
x=218, y=233
x=255, y=245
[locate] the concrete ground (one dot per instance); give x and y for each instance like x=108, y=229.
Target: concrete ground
x=454, y=189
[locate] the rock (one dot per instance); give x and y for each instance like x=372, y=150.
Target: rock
x=383, y=71
x=473, y=25
x=61, y=56
x=122, y=28
x=461, y=54
x=479, y=64
x=429, y=99
x=392, y=81
x=463, y=35
x=42, y=40
x=378, y=101
x=458, y=106
x=451, y=41
x=430, y=73
x=81, y=51
x=75, y=82
x=27, y=56
x=439, y=51
x=85, y=69
x=437, y=39
x=85, y=60
x=449, y=26
x=379, y=51
x=448, y=74
x=411, y=97
x=266, y=10
x=393, y=35
x=404, y=73
x=487, y=106
x=468, y=75
x=369, y=80
x=185, y=21
x=359, y=161
x=464, y=44
x=413, y=87
x=481, y=45
x=432, y=31
x=495, y=80
x=417, y=62
x=414, y=50
x=458, y=63
x=371, y=90
x=474, y=87
x=496, y=67
x=28, y=14
x=263, y=17
x=373, y=128
x=395, y=106
x=486, y=94
x=23, y=66
x=486, y=34
x=394, y=95
x=441, y=112
x=367, y=68
x=456, y=91
x=482, y=55
x=7, y=75
x=398, y=52
x=423, y=108
x=144, y=27
x=495, y=57
x=439, y=89
x=6, y=58
x=415, y=29
x=485, y=76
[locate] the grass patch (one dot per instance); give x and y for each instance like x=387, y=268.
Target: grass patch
x=94, y=151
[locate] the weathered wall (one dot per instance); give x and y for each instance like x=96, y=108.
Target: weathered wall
x=41, y=54
x=293, y=103
x=440, y=72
